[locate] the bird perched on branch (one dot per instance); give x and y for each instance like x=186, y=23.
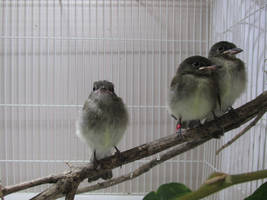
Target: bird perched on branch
x=231, y=76
x=193, y=93
x=103, y=121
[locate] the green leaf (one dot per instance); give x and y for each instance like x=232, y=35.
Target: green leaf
x=168, y=191
x=259, y=194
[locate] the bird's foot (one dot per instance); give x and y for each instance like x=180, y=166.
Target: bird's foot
x=119, y=155
x=220, y=133
x=97, y=166
x=179, y=130
x=233, y=112
x=96, y=163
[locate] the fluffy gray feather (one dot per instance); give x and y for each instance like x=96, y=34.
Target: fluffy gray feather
x=103, y=120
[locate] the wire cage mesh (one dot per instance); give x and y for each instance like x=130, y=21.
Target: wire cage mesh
x=52, y=52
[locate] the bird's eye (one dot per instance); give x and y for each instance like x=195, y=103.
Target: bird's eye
x=196, y=64
x=220, y=49
x=94, y=88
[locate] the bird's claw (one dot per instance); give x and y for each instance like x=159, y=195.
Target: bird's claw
x=119, y=155
x=233, y=112
x=179, y=130
x=220, y=133
x=96, y=163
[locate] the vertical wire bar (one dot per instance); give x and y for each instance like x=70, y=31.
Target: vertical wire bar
x=90, y=44
x=11, y=92
x=194, y=51
x=112, y=42
x=125, y=71
x=20, y=138
x=250, y=97
x=76, y=73
x=96, y=36
x=54, y=84
x=153, y=94
x=167, y=70
x=159, y=78
x=104, y=39
x=243, y=28
x=119, y=66
x=264, y=82
x=247, y=91
x=257, y=92
x=172, y=73
x=132, y=82
x=254, y=158
x=52, y=167
x=5, y=90
x=18, y=97
x=61, y=69
x=187, y=38
x=180, y=58
x=200, y=45
x=83, y=64
x=26, y=93
x=112, y=64
x=39, y=75
x=30, y=98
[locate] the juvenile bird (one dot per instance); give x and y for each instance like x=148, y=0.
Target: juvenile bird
x=103, y=121
x=231, y=76
x=193, y=92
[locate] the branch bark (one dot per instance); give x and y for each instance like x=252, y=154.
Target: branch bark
x=205, y=133
x=222, y=181
x=253, y=123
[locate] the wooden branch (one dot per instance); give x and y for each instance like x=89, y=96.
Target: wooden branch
x=205, y=133
x=221, y=182
x=253, y=123
x=143, y=168
x=22, y=186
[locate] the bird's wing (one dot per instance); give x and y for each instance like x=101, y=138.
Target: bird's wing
x=217, y=89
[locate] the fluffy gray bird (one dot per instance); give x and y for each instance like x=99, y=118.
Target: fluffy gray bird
x=103, y=121
x=231, y=76
x=193, y=93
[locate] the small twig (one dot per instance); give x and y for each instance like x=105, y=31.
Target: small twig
x=222, y=182
x=253, y=123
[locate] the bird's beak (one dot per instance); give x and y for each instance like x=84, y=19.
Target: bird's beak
x=211, y=67
x=232, y=51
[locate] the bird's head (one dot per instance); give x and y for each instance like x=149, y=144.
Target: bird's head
x=103, y=91
x=224, y=49
x=196, y=65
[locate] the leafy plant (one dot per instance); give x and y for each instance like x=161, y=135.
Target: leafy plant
x=168, y=191
x=259, y=194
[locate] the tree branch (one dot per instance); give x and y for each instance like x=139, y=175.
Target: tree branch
x=220, y=182
x=205, y=133
x=143, y=168
x=253, y=123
